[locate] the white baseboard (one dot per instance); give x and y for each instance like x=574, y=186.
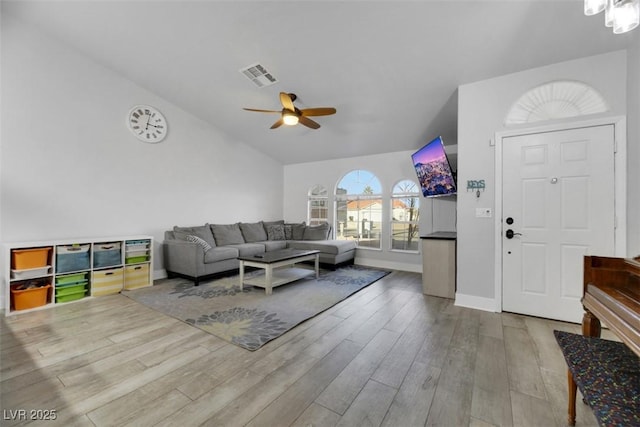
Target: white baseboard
x=376, y=263
x=478, y=303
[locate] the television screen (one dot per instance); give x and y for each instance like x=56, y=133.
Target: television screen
x=433, y=169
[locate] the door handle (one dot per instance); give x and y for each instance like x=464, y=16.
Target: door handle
x=510, y=233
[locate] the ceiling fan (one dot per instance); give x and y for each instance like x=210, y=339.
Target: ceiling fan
x=292, y=115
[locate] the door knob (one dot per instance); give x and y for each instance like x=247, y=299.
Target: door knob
x=510, y=233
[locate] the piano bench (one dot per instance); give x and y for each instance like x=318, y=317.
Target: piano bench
x=608, y=375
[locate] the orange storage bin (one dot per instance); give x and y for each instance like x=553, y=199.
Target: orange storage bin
x=23, y=259
x=30, y=298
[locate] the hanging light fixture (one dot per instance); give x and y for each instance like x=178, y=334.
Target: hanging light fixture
x=608, y=14
x=593, y=7
x=626, y=16
x=622, y=15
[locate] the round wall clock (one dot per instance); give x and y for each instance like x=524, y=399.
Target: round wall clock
x=147, y=124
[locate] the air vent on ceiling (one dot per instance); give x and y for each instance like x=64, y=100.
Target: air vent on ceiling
x=258, y=75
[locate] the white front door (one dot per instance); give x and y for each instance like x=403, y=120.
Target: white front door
x=558, y=200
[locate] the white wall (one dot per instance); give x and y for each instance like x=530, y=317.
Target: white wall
x=482, y=109
x=70, y=167
x=389, y=168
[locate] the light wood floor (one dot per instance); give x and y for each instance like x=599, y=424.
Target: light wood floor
x=386, y=356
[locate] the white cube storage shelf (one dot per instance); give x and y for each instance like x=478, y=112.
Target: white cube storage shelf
x=77, y=269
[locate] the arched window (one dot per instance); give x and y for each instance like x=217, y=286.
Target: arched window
x=556, y=100
x=359, y=209
x=318, y=206
x=405, y=211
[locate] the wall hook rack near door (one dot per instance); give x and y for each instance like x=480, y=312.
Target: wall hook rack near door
x=476, y=185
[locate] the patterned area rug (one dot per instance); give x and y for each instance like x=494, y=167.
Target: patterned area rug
x=249, y=318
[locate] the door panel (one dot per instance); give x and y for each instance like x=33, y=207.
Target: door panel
x=559, y=189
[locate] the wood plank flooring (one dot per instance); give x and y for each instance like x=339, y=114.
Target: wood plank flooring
x=387, y=356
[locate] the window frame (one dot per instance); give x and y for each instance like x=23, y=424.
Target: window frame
x=317, y=193
x=342, y=200
x=397, y=195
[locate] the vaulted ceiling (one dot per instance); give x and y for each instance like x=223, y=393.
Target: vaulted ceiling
x=391, y=68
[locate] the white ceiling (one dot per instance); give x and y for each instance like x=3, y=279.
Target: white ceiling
x=391, y=68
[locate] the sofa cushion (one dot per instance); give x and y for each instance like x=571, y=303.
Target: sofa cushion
x=294, y=231
x=333, y=247
x=274, y=245
x=253, y=232
x=227, y=234
x=201, y=231
x=316, y=232
x=249, y=249
x=275, y=232
x=220, y=254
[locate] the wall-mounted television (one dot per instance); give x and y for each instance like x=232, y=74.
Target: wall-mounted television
x=434, y=170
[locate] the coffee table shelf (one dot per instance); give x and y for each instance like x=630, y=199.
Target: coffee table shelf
x=273, y=264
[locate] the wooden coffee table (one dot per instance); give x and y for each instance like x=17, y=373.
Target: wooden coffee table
x=272, y=262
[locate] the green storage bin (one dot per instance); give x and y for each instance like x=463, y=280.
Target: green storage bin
x=71, y=297
x=71, y=278
x=68, y=290
x=136, y=259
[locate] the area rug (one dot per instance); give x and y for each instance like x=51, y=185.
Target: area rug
x=249, y=318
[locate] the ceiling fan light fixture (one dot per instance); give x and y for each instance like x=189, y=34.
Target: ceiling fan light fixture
x=290, y=118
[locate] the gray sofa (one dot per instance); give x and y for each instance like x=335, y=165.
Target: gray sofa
x=211, y=250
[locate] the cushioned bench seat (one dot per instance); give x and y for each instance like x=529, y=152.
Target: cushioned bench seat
x=608, y=376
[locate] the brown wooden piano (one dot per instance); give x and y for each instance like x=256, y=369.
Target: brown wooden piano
x=611, y=295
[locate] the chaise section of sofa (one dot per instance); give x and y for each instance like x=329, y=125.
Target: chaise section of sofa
x=210, y=250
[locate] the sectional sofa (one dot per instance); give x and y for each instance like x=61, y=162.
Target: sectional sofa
x=211, y=250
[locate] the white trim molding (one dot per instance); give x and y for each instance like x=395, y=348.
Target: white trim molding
x=392, y=265
x=478, y=303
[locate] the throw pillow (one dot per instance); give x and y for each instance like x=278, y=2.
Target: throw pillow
x=294, y=231
x=316, y=232
x=202, y=231
x=268, y=223
x=227, y=234
x=253, y=232
x=275, y=232
x=201, y=242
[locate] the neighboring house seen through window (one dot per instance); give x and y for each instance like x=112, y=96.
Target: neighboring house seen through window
x=405, y=204
x=359, y=209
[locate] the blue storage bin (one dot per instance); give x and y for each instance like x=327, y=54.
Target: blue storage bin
x=72, y=258
x=106, y=254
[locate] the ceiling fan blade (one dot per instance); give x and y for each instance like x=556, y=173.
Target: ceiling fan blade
x=262, y=111
x=277, y=124
x=286, y=101
x=321, y=111
x=308, y=122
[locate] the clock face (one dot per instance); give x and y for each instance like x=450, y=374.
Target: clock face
x=147, y=124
